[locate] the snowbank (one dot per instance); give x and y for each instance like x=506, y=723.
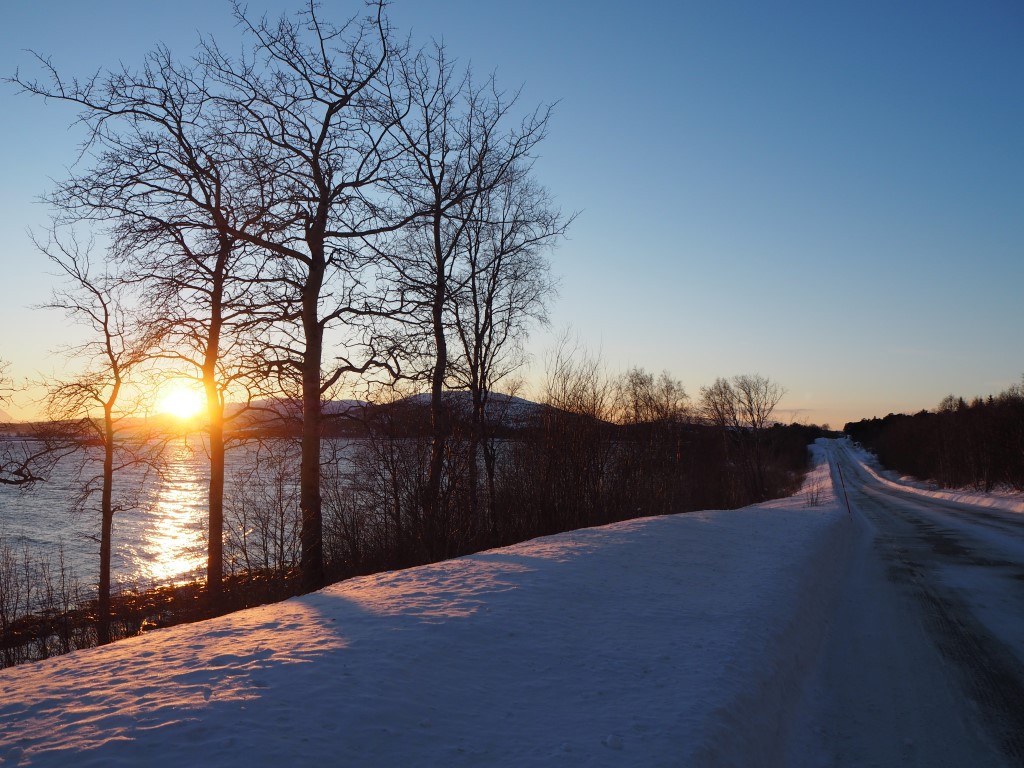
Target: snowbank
x=677, y=640
x=1005, y=501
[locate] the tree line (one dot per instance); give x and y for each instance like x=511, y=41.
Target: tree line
x=977, y=444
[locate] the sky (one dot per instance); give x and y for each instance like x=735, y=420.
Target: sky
x=828, y=194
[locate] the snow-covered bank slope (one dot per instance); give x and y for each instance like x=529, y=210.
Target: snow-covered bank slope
x=663, y=641
x=1006, y=501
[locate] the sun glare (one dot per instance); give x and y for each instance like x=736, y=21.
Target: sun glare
x=181, y=401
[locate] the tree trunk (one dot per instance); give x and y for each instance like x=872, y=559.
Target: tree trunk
x=490, y=467
x=438, y=415
x=474, y=475
x=106, y=532
x=215, y=418
x=215, y=552
x=310, y=503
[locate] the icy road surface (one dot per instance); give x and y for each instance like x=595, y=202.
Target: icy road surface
x=922, y=663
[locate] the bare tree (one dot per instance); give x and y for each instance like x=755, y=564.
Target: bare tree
x=576, y=450
x=440, y=161
x=95, y=397
x=654, y=468
x=16, y=463
x=28, y=454
x=262, y=520
x=475, y=242
x=718, y=405
x=742, y=408
x=308, y=120
x=756, y=398
x=644, y=399
x=6, y=384
x=504, y=286
x=165, y=181
x=18, y=466
x=266, y=187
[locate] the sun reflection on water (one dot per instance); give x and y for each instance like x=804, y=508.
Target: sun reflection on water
x=174, y=543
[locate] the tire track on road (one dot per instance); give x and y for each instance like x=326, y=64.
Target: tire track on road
x=915, y=548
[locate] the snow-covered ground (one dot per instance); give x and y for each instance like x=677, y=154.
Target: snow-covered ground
x=662, y=641
x=706, y=639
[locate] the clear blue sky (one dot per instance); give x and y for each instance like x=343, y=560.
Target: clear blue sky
x=830, y=194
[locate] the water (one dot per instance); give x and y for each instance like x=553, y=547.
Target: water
x=159, y=535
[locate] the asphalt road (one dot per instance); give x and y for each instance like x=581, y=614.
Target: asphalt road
x=924, y=657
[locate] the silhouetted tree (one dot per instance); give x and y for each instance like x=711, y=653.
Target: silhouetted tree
x=503, y=286
x=262, y=196
x=95, y=397
x=481, y=224
x=642, y=399
x=756, y=398
x=307, y=113
x=166, y=182
x=6, y=384
x=741, y=409
x=655, y=468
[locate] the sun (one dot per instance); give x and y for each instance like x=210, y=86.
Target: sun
x=181, y=401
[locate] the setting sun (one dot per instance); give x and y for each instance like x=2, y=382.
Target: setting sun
x=181, y=401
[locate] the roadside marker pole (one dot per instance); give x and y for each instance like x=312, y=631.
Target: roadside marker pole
x=840, y=468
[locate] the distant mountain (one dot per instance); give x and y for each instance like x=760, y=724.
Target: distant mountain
x=507, y=410
x=343, y=407
x=261, y=410
x=409, y=414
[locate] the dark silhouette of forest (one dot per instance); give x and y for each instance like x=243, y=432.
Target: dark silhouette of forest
x=977, y=444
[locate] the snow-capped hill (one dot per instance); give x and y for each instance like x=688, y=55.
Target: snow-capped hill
x=267, y=409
